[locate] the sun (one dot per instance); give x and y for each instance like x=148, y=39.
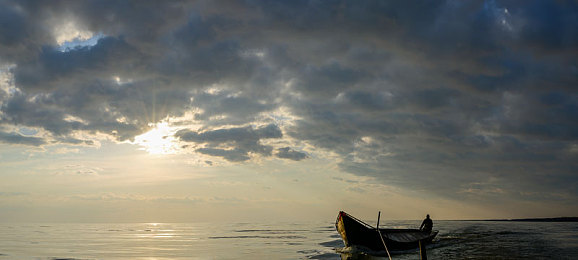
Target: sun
x=159, y=140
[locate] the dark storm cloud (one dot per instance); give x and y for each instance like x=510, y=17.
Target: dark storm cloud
x=288, y=153
x=479, y=94
x=243, y=134
x=53, y=67
x=551, y=26
x=234, y=155
x=234, y=109
x=19, y=110
x=330, y=79
x=15, y=138
x=20, y=35
x=244, y=140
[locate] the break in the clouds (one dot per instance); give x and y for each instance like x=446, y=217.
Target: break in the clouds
x=447, y=97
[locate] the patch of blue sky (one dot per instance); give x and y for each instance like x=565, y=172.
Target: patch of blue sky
x=80, y=43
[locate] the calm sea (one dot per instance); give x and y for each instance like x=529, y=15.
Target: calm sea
x=456, y=240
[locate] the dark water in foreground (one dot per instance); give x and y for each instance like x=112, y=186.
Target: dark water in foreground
x=456, y=240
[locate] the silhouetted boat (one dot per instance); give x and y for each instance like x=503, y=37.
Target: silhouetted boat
x=355, y=232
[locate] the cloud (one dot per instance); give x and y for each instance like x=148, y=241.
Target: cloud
x=15, y=138
x=54, y=67
x=244, y=140
x=234, y=155
x=288, y=153
x=229, y=109
x=408, y=93
x=239, y=135
x=116, y=197
x=330, y=79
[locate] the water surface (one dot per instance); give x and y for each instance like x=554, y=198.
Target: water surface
x=313, y=240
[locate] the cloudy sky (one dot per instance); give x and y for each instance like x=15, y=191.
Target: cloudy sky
x=287, y=110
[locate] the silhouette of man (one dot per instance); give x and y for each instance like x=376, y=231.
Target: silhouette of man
x=427, y=224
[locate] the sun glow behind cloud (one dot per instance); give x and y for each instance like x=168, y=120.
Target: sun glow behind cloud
x=159, y=140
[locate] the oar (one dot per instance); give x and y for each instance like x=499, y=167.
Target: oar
x=380, y=236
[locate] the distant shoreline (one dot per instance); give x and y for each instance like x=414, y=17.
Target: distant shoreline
x=559, y=219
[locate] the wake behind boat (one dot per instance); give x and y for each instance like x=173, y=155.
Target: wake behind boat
x=355, y=232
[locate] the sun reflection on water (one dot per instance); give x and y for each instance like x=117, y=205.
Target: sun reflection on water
x=155, y=230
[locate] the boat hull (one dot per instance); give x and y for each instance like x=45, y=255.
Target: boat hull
x=356, y=233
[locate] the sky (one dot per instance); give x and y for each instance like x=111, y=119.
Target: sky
x=196, y=111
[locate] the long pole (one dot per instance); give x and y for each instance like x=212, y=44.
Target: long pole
x=422, y=250
x=380, y=236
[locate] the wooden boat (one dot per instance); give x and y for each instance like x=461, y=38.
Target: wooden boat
x=355, y=232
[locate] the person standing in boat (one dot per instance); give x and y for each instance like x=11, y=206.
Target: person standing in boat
x=427, y=224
